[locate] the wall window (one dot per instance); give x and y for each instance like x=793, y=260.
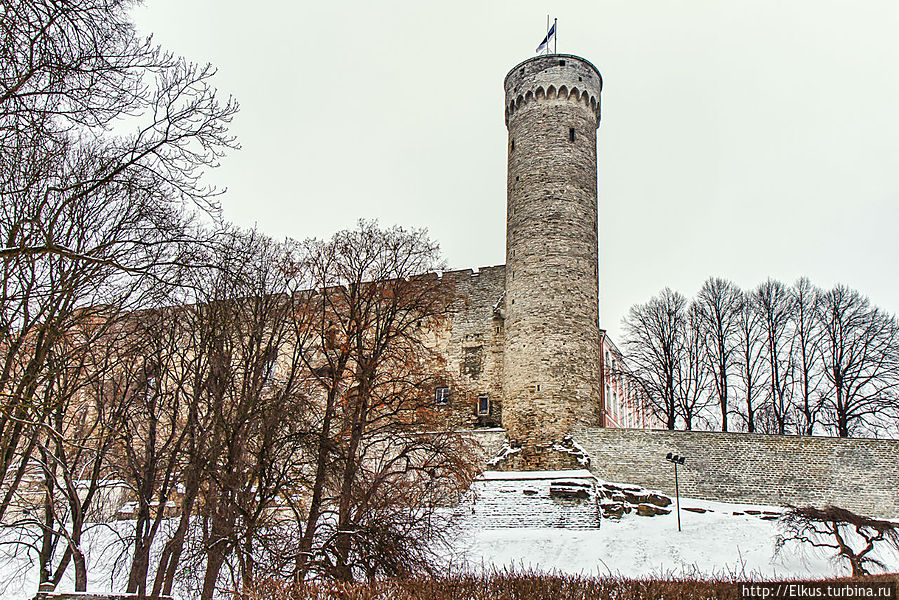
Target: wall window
x=441, y=396
x=268, y=371
x=483, y=405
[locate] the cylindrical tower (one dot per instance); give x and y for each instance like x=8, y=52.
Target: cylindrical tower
x=552, y=342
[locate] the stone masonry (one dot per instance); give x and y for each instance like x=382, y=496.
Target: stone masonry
x=551, y=341
x=857, y=474
x=471, y=343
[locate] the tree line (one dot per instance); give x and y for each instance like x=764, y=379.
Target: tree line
x=263, y=405
x=775, y=359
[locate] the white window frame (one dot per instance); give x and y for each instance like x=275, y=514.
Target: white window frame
x=486, y=399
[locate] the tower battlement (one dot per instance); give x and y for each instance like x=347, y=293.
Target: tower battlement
x=553, y=77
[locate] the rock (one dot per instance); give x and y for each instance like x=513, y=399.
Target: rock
x=568, y=492
x=530, y=492
x=633, y=498
x=658, y=499
x=753, y=512
x=650, y=510
x=694, y=509
x=769, y=517
x=736, y=514
x=612, y=510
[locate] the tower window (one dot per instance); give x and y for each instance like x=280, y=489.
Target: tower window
x=522, y=70
x=571, y=134
x=441, y=396
x=538, y=387
x=561, y=63
x=483, y=405
x=513, y=144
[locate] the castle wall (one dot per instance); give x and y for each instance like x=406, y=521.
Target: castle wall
x=861, y=475
x=472, y=344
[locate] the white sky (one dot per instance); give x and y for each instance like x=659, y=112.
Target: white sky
x=739, y=138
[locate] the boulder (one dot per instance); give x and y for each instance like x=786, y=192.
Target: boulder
x=651, y=510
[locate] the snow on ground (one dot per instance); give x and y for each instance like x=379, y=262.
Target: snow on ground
x=713, y=543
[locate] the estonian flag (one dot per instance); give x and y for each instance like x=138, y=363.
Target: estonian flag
x=544, y=45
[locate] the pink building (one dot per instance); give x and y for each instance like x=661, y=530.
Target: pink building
x=623, y=408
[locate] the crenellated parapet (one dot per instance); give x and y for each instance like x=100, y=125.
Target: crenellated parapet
x=553, y=77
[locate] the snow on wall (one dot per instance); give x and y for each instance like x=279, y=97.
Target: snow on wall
x=513, y=499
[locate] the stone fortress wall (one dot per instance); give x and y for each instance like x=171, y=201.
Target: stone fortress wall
x=861, y=475
x=471, y=342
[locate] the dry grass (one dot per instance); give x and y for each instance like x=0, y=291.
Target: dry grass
x=514, y=585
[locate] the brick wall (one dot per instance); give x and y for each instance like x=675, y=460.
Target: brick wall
x=857, y=474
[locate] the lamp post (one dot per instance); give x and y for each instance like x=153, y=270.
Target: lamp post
x=677, y=460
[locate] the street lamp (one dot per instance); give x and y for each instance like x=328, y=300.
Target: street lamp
x=677, y=460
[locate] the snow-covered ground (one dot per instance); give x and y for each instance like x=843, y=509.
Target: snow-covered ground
x=716, y=542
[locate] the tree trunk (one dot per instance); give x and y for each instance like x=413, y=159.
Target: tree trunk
x=215, y=558
x=171, y=553
x=217, y=548
x=78, y=560
x=140, y=564
x=344, y=570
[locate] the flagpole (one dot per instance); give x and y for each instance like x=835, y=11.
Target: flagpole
x=547, y=34
x=555, y=36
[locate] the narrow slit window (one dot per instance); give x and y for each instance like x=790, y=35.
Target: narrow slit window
x=571, y=134
x=513, y=144
x=483, y=405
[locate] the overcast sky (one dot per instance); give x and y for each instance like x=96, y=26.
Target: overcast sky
x=741, y=139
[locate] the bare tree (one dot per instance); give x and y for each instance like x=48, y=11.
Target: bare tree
x=774, y=305
x=384, y=304
x=654, y=341
x=154, y=428
x=720, y=303
x=750, y=345
x=253, y=392
x=860, y=354
x=806, y=343
x=88, y=387
x=692, y=378
x=82, y=206
x=851, y=537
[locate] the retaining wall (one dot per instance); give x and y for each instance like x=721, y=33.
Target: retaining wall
x=861, y=475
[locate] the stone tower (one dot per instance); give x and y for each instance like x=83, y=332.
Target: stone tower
x=551, y=333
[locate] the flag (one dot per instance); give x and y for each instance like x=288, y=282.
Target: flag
x=544, y=45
